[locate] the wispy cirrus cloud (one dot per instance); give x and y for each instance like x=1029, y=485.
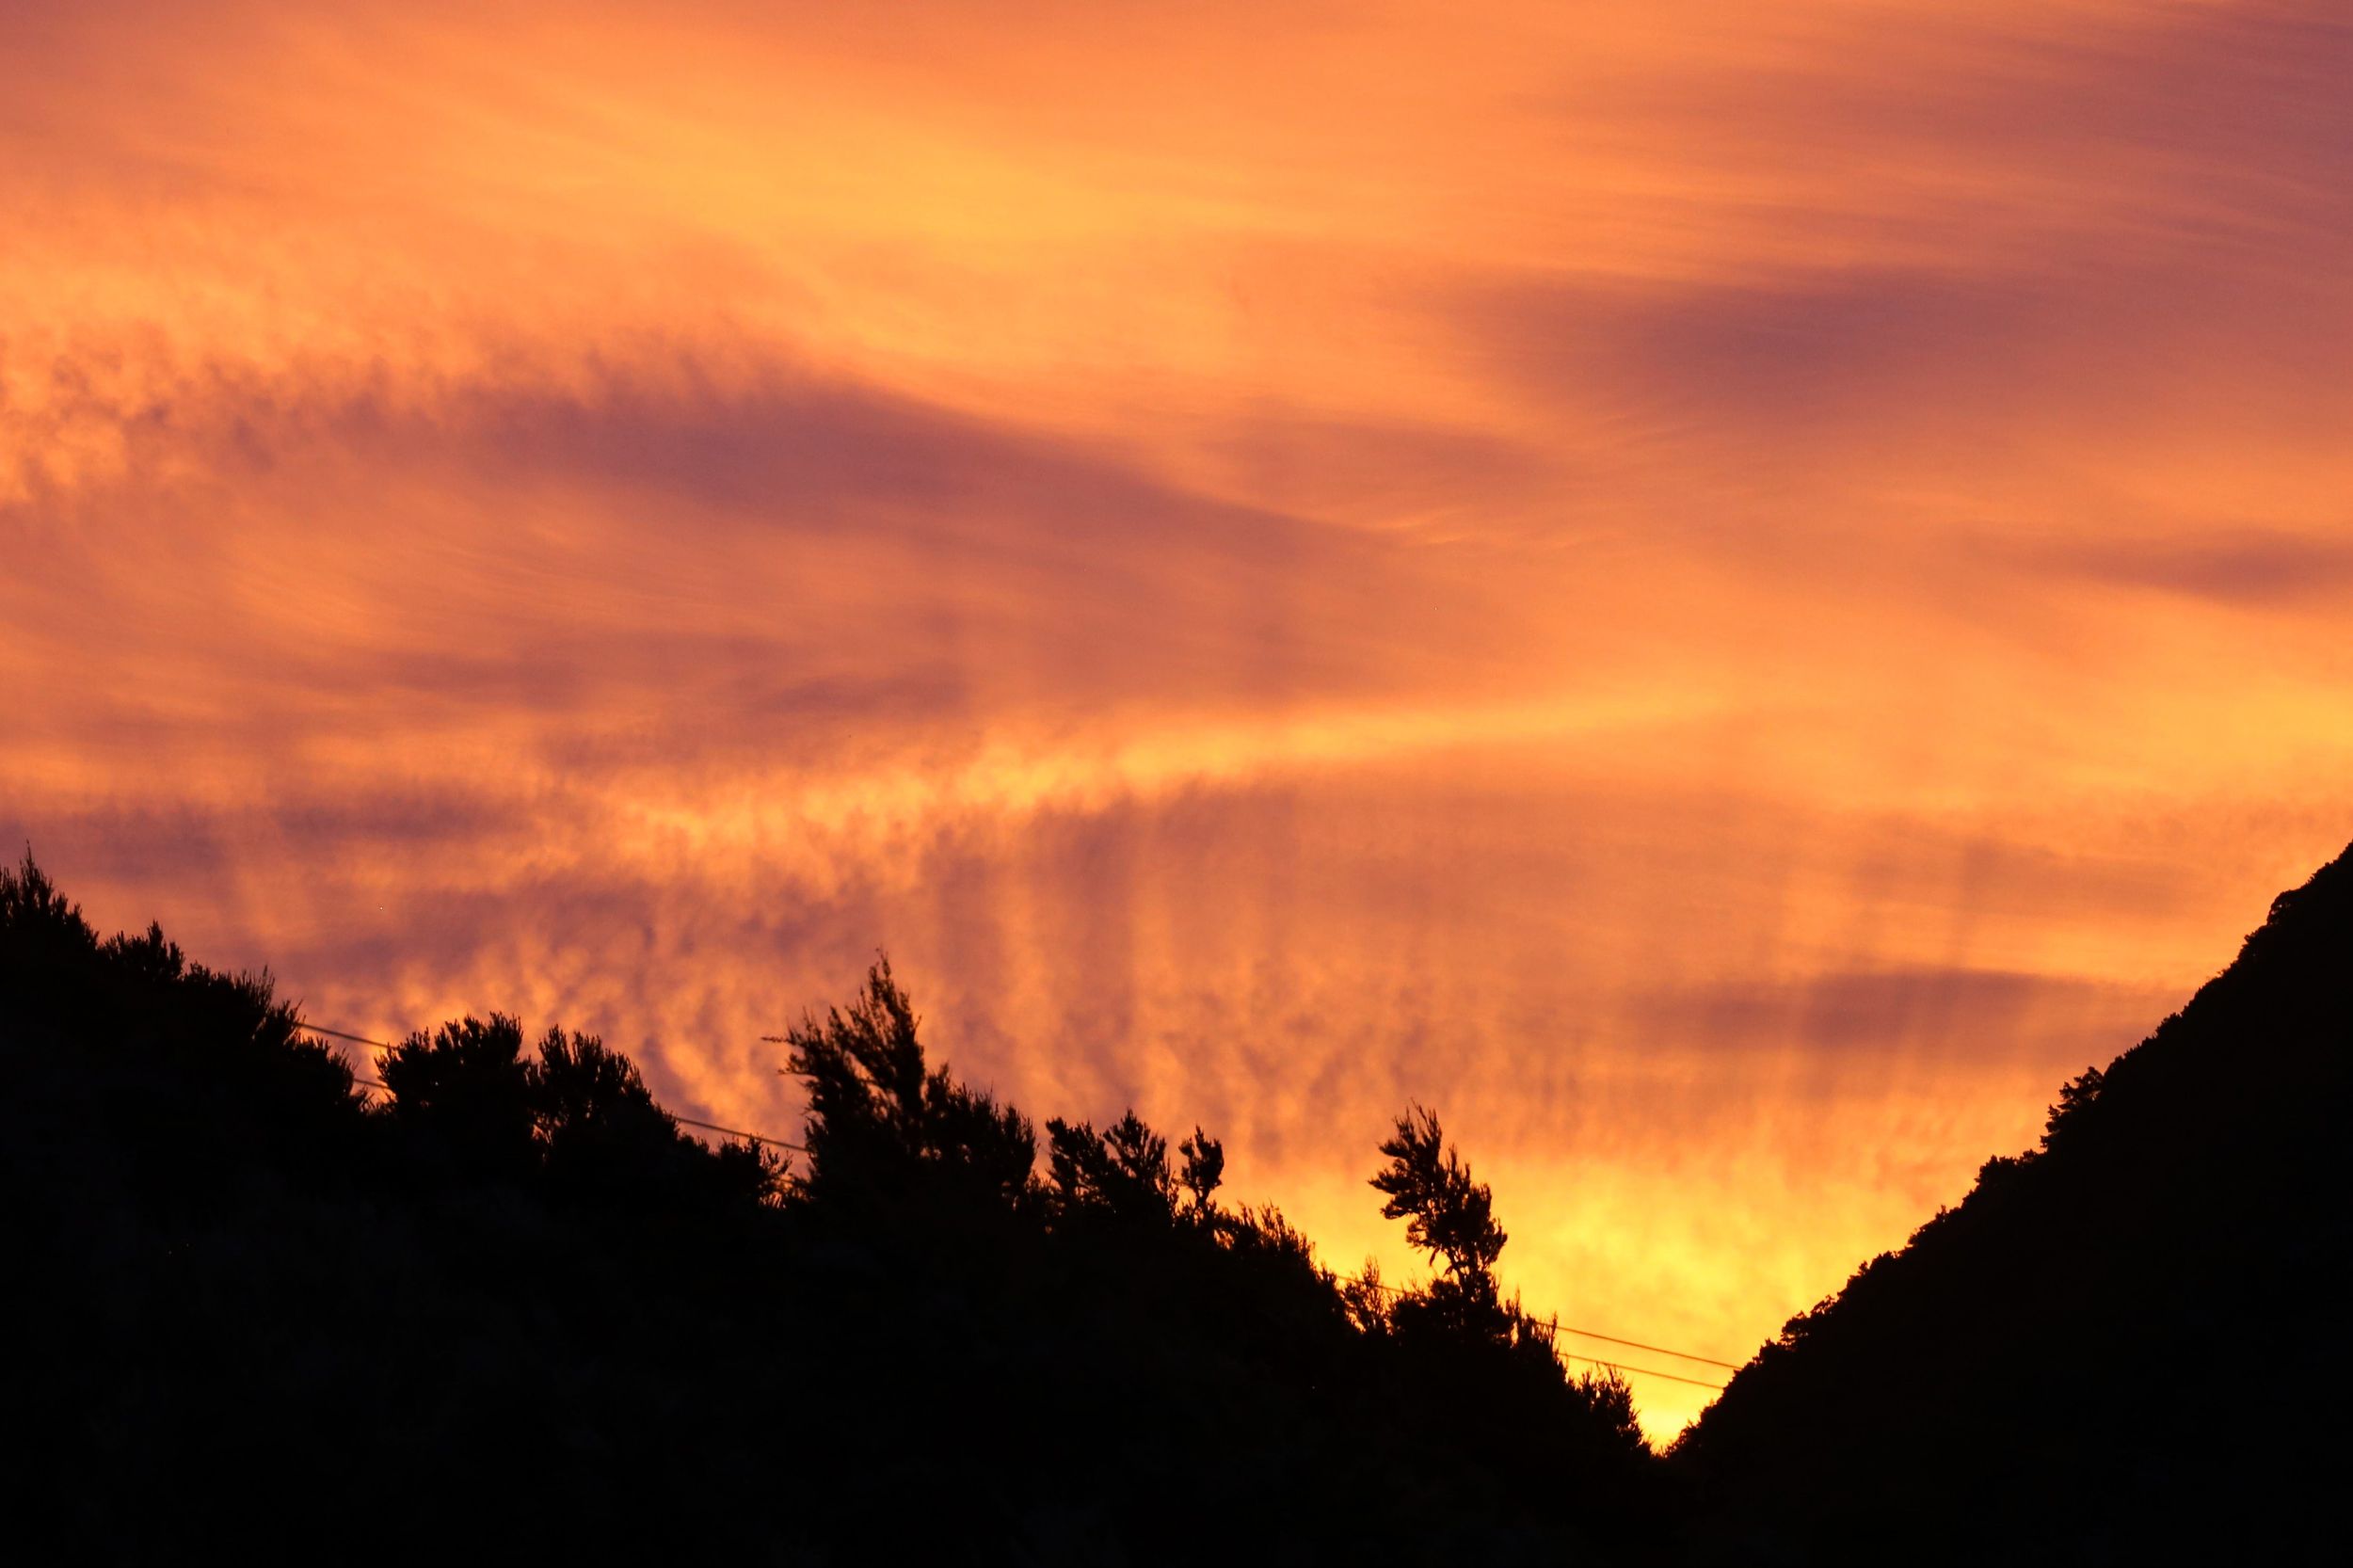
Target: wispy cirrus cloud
x=1724, y=592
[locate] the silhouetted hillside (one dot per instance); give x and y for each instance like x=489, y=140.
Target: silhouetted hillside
x=2126, y=1345
x=511, y=1309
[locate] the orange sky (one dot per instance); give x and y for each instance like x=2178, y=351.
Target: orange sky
x=1725, y=592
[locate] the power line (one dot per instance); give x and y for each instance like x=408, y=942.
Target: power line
x=1580, y=1333
x=1345, y=1279
x=355, y=1039
x=754, y=1137
x=1637, y=1344
x=682, y=1121
x=1648, y=1372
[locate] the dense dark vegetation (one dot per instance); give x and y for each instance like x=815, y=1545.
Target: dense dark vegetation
x=510, y=1307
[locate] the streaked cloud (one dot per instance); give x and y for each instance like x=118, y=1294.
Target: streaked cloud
x=1725, y=592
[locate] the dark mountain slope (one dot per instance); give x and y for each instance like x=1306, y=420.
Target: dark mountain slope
x=2128, y=1344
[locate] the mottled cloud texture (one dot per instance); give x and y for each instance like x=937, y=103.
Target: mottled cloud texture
x=1724, y=592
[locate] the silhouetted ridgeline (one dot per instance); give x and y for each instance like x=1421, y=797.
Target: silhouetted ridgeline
x=516, y=1311
x=2129, y=1344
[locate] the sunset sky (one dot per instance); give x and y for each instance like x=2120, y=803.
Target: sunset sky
x=1725, y=592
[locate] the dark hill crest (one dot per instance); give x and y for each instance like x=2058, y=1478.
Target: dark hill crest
x=524, y=1314
x=2127, y=1342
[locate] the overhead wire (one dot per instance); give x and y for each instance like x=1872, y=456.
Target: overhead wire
x=1345, y=1279
x=682, y=1121
x=1583, y=1334
x=1586, y=1334
x=1646, y=1372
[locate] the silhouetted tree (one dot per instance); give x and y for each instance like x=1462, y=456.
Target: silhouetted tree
x=601, y=1135
x=467, y=1089
x=1508, y=1391
x=881, y=1121
x=1123, y=1171
x=578, y=1086
x=1449, y=1216
x=1204, y=1172
x=1446, y=1214
x=2075, y=1100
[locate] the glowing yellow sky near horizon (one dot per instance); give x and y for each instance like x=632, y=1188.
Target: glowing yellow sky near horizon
x=1726, y=594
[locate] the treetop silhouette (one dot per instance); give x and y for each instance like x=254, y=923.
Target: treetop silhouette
x=1446, y=1214
x=516, y=1280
